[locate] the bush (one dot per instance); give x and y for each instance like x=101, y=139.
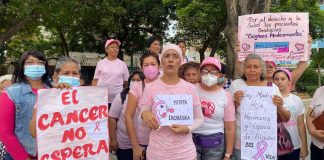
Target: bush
x=308, y=79
x=311, y=90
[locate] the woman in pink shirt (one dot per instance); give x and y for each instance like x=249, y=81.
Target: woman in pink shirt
x=111, y=71
x=218, y=129
x=170, y=142
x=139, y=137
x=119, y=140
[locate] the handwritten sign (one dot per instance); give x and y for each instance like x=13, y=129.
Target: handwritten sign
x=279, y=37
x=173, y=109
x=72, y=124
x=258, y=124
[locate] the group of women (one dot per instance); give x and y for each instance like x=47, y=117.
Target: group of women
x=134, y=130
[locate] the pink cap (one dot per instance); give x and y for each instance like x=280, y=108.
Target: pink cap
x=271, y=62
x=109, y=41
x=286, y=71
x=212, y=61
x=174, y=47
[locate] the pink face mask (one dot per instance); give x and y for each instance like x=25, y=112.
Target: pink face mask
x=151, y=72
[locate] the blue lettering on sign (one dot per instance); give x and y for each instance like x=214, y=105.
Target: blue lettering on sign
x=274, y=45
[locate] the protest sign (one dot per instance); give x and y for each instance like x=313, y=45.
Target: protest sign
x=73, y=123
x=173, y=109
x=258, y=124
x=279, y=37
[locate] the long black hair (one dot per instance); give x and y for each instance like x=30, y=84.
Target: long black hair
x=125, y=91
x=19, y=76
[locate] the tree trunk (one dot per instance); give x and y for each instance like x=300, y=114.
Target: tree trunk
x=64, y=44
x=203, y=49
x=319, y=74
x=13, y=30
x=236, y=8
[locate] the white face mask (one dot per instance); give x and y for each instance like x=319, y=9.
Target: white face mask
x=209, y=79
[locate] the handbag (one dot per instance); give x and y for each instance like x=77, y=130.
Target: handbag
x=319, y=122
x=207, y=141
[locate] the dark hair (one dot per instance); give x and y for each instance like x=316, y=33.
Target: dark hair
x=223, y=70
x=151, y=40
x=125, y=91
x=148, y=54
x=187, y=66
x=182, y=41
x=280, y=71
x=19, y=76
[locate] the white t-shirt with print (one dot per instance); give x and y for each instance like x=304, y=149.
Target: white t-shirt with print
x=217, y=107
x=296, y=108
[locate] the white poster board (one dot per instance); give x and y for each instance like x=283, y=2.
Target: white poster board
x=173, y=109
x=258, y=124
x=73, y=123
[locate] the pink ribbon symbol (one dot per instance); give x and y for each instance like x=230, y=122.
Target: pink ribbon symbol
x=261, y=147
x=97, y=127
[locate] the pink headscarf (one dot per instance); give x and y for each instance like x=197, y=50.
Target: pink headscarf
x=174, y=47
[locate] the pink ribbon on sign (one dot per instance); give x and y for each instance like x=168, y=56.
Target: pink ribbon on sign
x=97, y=127
x=261, y=150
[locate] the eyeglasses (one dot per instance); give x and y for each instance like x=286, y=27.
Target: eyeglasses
x=213, y=72
x=31, y=62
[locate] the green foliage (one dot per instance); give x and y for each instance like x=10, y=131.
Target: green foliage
x=309, y=78
x=316, y=20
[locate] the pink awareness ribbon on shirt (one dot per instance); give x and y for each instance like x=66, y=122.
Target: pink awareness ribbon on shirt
x=261, y=147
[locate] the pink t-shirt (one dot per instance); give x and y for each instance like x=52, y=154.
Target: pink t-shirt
x=217, y=107
x=317, y=105
x=117, y=110
x=7, y=128
x=163, y=143
x=142, y=131
x=113, y=74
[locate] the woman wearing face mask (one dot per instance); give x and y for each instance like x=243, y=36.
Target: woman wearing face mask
x=17, y=103
x=119, y=140
x=219, y=114
x=68, y=74
x=111, y=71
x=253, y=75
x=296, y=125
x=175, y=141
x=140, y=136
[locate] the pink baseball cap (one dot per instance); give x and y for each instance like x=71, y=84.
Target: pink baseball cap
x=212, y=61
x=109, y=41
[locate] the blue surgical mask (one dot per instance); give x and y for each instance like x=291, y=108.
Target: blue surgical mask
x=34, y=72
x=221, y=80
x=73, y=81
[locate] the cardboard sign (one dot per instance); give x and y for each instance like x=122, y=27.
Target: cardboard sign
x=173, y=109
x=73, y=124
x=258, y=124
x=279, y=37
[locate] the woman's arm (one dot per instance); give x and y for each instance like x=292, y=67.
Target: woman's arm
x=94, y=82
x=7, y=129
x=317, y=134
x=282, y=112
x=302, y=135
x=32, y=124
x=131, y=131
x=112, y=123
x=229, y=136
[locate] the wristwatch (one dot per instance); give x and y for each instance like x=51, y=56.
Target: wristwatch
x=230, y=156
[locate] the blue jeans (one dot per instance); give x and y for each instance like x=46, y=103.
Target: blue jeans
x=124, y=154
x=212, y=153
x=8, y=157
x=237, y=154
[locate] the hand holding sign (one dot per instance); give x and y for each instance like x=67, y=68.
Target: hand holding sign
x=150, y=120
